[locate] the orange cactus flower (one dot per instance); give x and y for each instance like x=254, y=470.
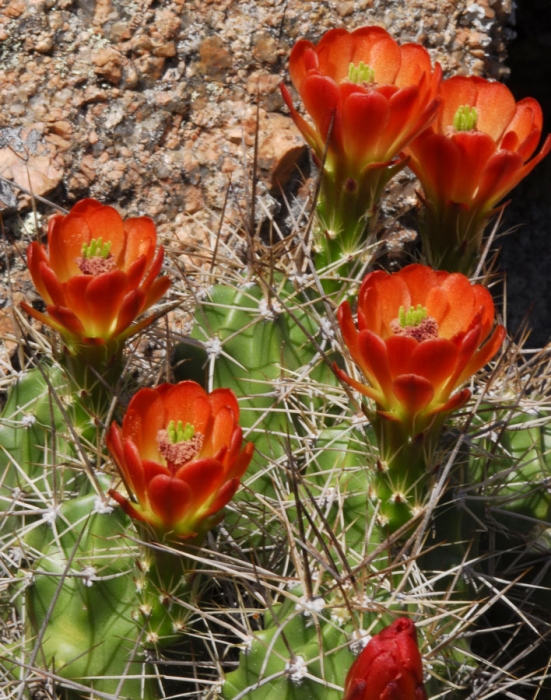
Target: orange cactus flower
x=389, y=668
x=180, y=455
x=368, y=97
x=421, y=334
x=97, y=275
x=476, y=151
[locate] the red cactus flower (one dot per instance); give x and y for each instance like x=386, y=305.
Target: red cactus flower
x=368, y=97
x=98, y=274
x=179, y=454
x=475, y=152
x=420, y=335
x=366, y=94
x=389, y=668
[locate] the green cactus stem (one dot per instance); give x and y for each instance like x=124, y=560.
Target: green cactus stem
x=300, y=653
x=45, y=431
x=94, y=602
x=512, y=467
x=80, y=604
x=259, y=344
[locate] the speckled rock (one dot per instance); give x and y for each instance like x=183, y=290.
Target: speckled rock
x=120, y=88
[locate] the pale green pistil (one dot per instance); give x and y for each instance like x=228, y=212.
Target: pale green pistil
x=414, y=323
x=412, y=317
x=96, y=249
x=360, y=73
x=179, y=444
x=177, y=433
x=465, y=118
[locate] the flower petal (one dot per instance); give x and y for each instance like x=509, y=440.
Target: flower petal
x=169, y=499
x=130, y=308
x=106, y=223
x=415, y=64
x=349, y=330
x=139, y=240
x=132, y=470
x=496, y=107
x=434, y=359
x=364, y=389
x=144, y=417
x=475, y=149
x=226, y=493
x=375, y=364
x=66, y=235
x=188, y=402
x=484, y=355
x=461, y=305
x=302, y=60
x=66, y=318
x=437, y=163
x=221, y=431
x=128, y=507
x=224, y=398
x=104, y=296
x=310, y=135
x=380, y=299
x=41, y=317
x=524, y=131
x=114, y=442
x=135, y=271
x=420, y=280
x=54, y=291
x=364, y=121
x=36, y=256
x=400, y=349
x=240, y=460
x=321, y=98
x=204, y=477
x=158, y=289
x=454, y=403
x=403, y=110
x=413, y=392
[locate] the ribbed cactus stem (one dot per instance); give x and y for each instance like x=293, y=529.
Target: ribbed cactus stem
x=82, y=601
x=402, y=474
x=164, y=577
x=347, y=215
x=94, y=376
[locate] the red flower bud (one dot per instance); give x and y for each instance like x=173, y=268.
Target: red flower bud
x=389, y=668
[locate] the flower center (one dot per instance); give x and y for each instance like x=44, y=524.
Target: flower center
x=179, y=444
x=360, y=73
x=465, y=118
x=96, y=257
x=415, y=323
